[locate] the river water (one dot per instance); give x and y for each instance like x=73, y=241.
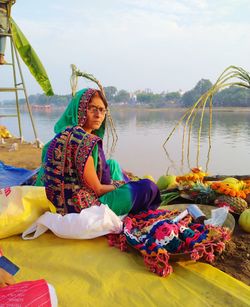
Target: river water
x=141, y=134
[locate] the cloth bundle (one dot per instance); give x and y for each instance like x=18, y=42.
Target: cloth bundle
x=157, y=237
x=90, y=223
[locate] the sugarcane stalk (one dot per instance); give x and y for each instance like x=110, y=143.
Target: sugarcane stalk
x=209, y=132
x=224, y=80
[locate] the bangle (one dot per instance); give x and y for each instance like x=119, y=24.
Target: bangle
x=116, y=184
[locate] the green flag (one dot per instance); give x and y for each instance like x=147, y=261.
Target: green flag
x=30, y=58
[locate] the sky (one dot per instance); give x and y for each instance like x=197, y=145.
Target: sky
x=162, y=45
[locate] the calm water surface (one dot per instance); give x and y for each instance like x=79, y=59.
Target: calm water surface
x=141, y=134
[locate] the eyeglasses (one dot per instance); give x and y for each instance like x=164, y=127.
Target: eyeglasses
x=94, y=109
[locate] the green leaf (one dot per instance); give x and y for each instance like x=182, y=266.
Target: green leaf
x=30, y=58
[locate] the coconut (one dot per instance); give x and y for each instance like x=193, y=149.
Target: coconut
x=166, y=181
x=244, y=220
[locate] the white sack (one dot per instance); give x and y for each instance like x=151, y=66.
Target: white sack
x=90, y=223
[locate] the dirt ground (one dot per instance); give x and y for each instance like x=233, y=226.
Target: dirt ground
x=235, y=260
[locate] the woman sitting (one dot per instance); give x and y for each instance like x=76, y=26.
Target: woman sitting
x=76, y=174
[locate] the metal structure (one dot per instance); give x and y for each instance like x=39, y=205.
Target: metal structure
x=17, y=86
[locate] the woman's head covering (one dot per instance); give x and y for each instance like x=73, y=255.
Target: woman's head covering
x=76, y=112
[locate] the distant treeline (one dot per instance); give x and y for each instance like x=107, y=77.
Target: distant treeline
x=229, y=97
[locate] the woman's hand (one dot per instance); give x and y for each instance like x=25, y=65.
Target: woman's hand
x=90, y=178
x=5, y=278
x=117, y=183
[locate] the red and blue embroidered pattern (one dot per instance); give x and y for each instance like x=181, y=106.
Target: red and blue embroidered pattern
x=64, y=166
x=157, y=238
x=65, y=161
x=83, y=105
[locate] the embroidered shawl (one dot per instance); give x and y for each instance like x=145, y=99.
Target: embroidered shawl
x=66, y=157
x=64, y=168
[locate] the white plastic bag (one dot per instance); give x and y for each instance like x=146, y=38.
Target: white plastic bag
x=218, y=216
x=89, y=223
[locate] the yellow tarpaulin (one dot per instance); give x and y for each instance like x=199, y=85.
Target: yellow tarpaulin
x=90, y=273
x=20, y=207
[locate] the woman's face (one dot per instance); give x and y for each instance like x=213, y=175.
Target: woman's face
x=95, y=114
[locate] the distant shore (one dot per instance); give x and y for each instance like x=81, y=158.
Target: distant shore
x=52, y=108
x=219, y=109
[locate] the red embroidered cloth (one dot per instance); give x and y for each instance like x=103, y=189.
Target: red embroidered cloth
x=28, y=293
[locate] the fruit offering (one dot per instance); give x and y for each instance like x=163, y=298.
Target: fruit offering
x=232, y=187
x=195, y=175
x=198, y=192
x=166, y=182
x=235, y=204
x=244, y=220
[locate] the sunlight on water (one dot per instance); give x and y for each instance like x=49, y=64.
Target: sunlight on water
x=142, y=133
